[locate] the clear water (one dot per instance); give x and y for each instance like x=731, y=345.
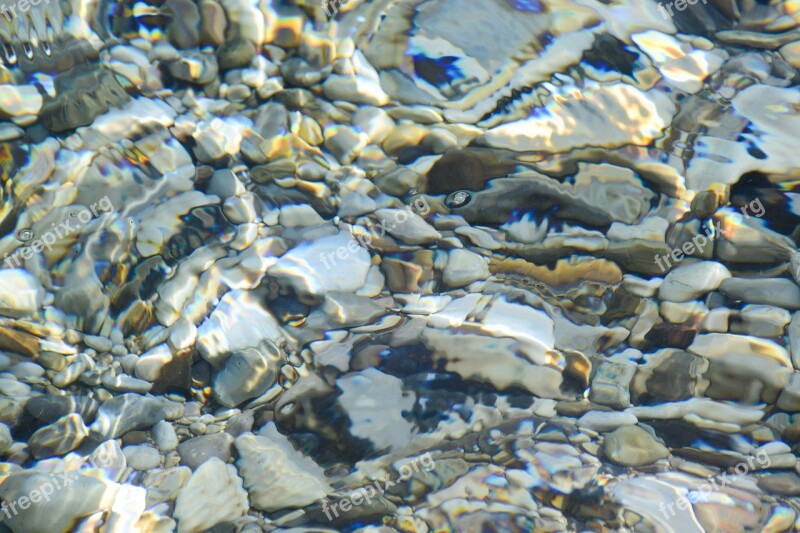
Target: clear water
x=399, y=265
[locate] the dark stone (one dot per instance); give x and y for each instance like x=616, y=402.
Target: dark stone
x=623, y=304
x=183, y=28
x=175, y=375
x=781, y=483
x=135, y=437
x=672, y=377
x=668, y=335
x=235, y=53
x=745, y=378
x=49, y=408
x=576, y=408
x=637, y=256
x=181, y=70
x=82, y=93
x=609, y=53
x=65, y=53
x=467, y=168
x=705, y=204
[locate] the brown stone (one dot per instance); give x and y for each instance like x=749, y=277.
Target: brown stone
x=18, y=342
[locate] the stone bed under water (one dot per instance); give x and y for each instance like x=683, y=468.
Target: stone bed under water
x=399, y=265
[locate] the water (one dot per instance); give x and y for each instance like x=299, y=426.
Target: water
x=407, y=265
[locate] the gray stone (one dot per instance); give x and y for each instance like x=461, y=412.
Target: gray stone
x=781, y=483
x=196, y=67
x=5, y=439
x=27, y=370
x=761, y=321
x=82, y=497
x=781, y=292
x=602, y=421
x=164, y=436
x=347, y=310
x=213, y=495
x=239, y=423
x=127, y=412
x=101, y=344
x=407, y=226
x=687, y=282
x=195, y=452
x=142, y=457
x=789, y=400
x=793, y=331
x=235, y=53
x=464, y=267
x=275, y=474
x=399, y=181
x=247, y=374
x=21, y=293
x=610, y=385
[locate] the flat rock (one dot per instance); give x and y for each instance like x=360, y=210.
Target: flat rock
x=771, y=291
x=127, y=412
x=197, y=451
x=603, y=421
x=688, y=282
x=335, y=263
x=375, y=403
x=789, y=399
x=407, y=226
x=347, y=310
x=633, y=446
x=781, y=483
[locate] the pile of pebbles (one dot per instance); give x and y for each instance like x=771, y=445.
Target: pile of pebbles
x=421, y=228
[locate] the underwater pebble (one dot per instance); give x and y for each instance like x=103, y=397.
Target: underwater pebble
x=275, y=474
x=781, y=292
x=690, y=281
x=142, y=457
x=463, y=267
x=633, y=446
x=212, y=495
x=164, y=436
x=21, y=294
